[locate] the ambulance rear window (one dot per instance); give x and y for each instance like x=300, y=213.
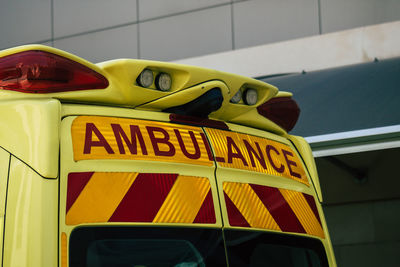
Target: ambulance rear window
x=191, y=247
x=146, y=246
x=254, y=248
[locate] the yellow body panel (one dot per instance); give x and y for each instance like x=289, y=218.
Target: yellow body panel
x=29, y=129
x=305, y=150
x=31, y=219
x=123, y=89
x=93, y=131
x=4, y=164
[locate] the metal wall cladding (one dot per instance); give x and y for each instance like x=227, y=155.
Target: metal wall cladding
x=24, y=22
x=170, y=30
x=150, y=9
x=76, y=17
x=187, y=35
x=260, y=22
x=344, y=14
x=104, y=45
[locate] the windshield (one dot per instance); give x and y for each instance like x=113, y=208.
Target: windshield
x=190, y=247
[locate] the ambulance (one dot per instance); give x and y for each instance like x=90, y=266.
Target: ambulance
x=144, y=163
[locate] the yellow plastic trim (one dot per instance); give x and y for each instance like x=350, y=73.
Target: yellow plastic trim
x=31, y=237
x=305, y=150
x=29, y=129
x=185, y=96
x=4, y=163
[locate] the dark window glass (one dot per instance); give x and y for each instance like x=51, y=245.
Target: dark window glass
x=146, y=246
x=248, y=248
x=190, y=247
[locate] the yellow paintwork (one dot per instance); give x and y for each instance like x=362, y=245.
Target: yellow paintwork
x=223, y=173
x=4, y=163
x=123, y=90
x=36, y=135
x=305, y=150
x=187, y=95
x=31, y=234
x=29, y=129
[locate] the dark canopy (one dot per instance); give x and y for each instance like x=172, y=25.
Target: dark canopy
x=344, y=99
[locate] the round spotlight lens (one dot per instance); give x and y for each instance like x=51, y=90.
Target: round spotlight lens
x=163, y=82
x=145, y=78
x=250, y=97
x=237, y=97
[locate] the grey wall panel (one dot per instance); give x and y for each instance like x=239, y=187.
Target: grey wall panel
x=368, y=255
x=387, y=220
x=346, y=14
x=365, y=234
x=77, y=16
x=157, y=8
x=24, y=22
x=187, y=35
x=350, y=224
x=258, y=22
x=104, y=45
x=47, y=43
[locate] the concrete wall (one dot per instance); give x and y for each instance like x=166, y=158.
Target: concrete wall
x=365, y=234
x=169, y=30
x=362, y=215
x=359, y=45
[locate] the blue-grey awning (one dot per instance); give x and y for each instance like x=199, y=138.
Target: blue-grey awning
x=347, y=109
x=345, y=99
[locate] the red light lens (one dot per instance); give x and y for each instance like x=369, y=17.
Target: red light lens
x=283, y=111
x=43, y=72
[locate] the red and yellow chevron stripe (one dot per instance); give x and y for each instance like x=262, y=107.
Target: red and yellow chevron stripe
x=99, y=197
x=251, y=205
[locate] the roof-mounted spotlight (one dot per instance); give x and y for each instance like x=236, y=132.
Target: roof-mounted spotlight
x=163, y=82
x=237, y=97
x=250, y=97
x=145, y=78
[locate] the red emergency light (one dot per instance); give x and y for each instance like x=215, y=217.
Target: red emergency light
x=43, y=72
x=283, y=111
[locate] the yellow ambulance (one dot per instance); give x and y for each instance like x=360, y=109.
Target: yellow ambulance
x=144, y=163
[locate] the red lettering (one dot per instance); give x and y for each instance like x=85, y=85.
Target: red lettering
x=131, y=144
x=238, y=154
x=290, y=163
x=89, y=143
x=251, y=152
x=268, y=150
x=205, y=142
x=155, y=141
x=196, y=153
